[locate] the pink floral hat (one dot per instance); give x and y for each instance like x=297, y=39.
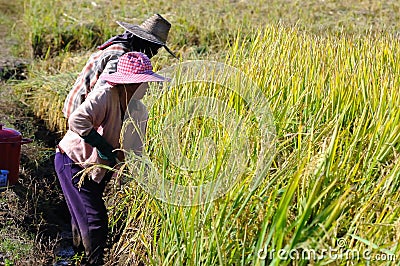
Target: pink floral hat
x=132, y=67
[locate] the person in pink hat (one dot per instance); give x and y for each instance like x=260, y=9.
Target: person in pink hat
x=147, y=37
x=92, y=137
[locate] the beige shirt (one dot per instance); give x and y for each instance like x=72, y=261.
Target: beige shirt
x=101, y=110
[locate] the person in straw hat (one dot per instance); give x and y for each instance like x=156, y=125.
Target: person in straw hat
x=92, y=139
x=147, y=38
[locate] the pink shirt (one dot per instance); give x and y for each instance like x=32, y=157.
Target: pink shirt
x=101, y=111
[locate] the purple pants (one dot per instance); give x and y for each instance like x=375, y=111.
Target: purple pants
x=86, y=206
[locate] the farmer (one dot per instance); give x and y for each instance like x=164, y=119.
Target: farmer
x=147, y=38
x=93, y=136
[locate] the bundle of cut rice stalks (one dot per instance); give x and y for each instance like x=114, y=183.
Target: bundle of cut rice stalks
x=45, y=95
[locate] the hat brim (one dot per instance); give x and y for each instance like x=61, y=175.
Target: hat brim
x=118, y=78
x=143, y=34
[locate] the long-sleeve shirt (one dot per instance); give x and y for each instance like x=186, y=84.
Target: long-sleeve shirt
x=101, y=111
x=102, y=61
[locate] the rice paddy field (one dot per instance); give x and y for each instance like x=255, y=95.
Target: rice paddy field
x=322, y=138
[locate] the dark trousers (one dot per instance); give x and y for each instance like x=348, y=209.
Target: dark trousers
x=88, y=213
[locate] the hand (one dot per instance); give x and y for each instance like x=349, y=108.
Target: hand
x=109, y=156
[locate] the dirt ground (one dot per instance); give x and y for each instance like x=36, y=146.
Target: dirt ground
x=34, y=219
x=33, y=214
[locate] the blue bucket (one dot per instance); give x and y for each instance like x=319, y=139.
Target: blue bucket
x=3, y=178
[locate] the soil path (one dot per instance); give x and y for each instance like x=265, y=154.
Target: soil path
x=33, y=214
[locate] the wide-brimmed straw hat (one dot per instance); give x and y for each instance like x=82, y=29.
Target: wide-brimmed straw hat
x=132, y=67
x=154, y=29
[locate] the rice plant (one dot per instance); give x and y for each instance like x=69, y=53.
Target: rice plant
x=332, y=184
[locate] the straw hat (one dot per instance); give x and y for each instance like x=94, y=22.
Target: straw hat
x=132, y=67
x=154, y=29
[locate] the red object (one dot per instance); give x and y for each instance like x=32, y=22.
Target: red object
x=10, y=152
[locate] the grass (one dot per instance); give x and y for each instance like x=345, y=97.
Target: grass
x=54, y=26
x=14, y=249
x=16, y=245
x=329, y=72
